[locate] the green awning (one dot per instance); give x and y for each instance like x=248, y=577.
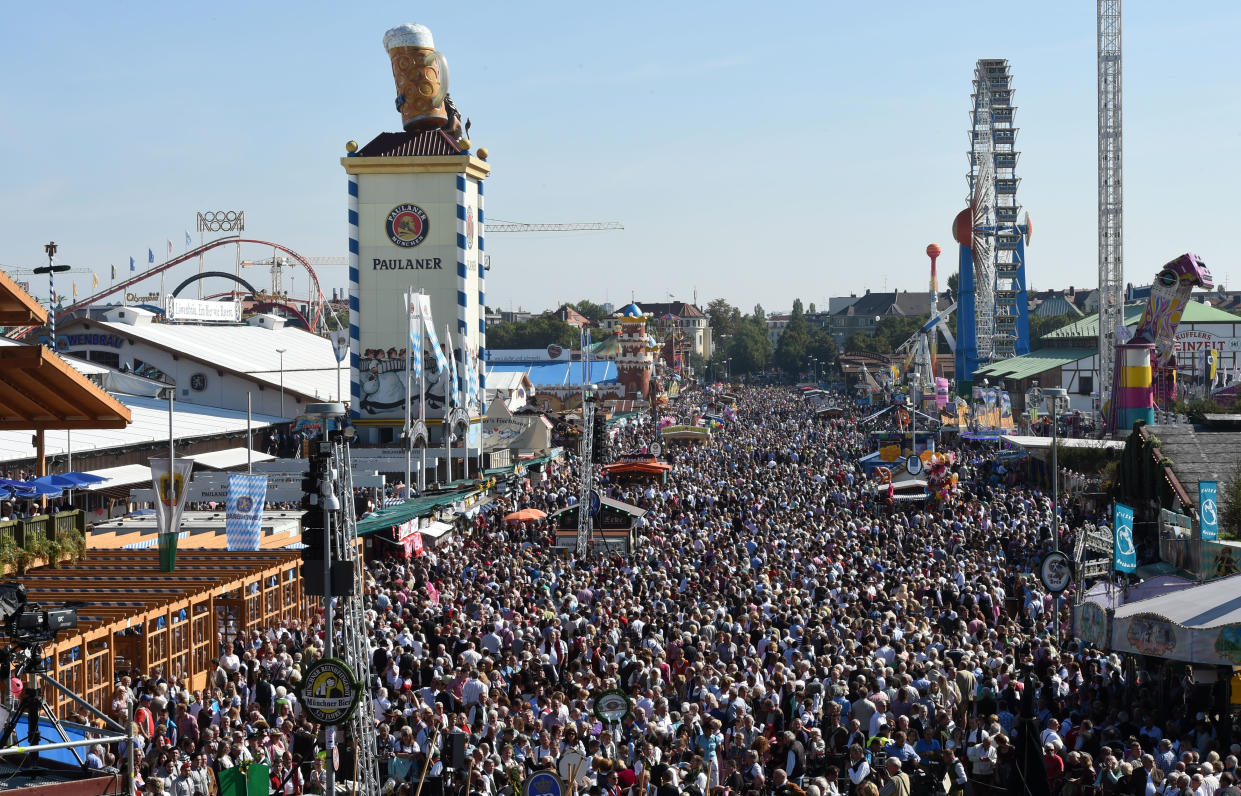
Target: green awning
x=1032, y=364
x=1088, y=327
x=414, y=507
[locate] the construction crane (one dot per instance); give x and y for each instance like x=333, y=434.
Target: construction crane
x=498, y=225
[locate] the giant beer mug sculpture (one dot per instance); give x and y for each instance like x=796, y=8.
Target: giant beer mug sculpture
x=421, y=75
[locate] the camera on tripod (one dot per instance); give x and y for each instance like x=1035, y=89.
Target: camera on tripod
x=29, y=623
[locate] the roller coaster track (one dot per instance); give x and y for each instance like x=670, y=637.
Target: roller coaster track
x=155, y=270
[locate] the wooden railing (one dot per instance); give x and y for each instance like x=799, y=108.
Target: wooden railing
x=44, y=525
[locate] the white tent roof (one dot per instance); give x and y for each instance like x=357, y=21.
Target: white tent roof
x=309, y=360
x=149, y=424
x=1044, y=443
x=1215, y=603
x=124, y=475
x=231, y=457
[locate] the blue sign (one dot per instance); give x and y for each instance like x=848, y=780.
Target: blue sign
x=593, y=508
x=542, y=783
x=1208, y=510
x=1126, y=555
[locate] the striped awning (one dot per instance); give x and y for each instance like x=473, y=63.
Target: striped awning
x=147, y=544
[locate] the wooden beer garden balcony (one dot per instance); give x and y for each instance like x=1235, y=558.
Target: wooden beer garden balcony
x=136, y=617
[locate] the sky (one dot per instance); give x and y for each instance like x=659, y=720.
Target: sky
x=758, y=154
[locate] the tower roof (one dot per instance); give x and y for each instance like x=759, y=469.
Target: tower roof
x=631, y=311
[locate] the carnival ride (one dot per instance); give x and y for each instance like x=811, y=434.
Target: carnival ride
x=992, y=319
x=918, y=353
x=1144, y=371
x=318, y=303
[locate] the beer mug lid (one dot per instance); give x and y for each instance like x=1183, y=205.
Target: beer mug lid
x=409, y=35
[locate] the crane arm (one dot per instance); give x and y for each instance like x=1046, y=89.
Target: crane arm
x=514, y=226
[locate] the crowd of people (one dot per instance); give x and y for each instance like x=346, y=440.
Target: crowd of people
x=781, y=627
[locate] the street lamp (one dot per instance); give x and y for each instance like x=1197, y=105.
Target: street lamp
x=281, y=351
x=51, y=269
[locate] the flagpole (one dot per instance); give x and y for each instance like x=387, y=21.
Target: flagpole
x=409, y=340
x=422, y=402
x=448, y=404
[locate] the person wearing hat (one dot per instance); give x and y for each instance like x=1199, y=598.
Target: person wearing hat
x=182, y=782
x=145, y=716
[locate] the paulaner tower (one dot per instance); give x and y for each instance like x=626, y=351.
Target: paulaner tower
x=415, y=222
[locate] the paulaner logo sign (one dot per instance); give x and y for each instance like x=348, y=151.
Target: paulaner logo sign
x=407, y=225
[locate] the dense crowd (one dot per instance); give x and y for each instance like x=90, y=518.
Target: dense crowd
x=782, y=627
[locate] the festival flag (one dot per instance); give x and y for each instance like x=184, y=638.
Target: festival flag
x=170, y=245
x=243, y=510
x=131, y=264
x=188, y=241
x=414, y=308
x=454, y=388
x=94, y=280
x=114, y=273
x=441, y=361
x=171, y=487
x=150, y=255
x=75, y=289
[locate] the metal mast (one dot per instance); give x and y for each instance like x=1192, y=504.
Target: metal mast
x=1111, y=195
x=355, y=644
x=585, y=522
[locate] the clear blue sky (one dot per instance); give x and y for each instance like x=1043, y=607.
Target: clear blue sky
x=753, y=154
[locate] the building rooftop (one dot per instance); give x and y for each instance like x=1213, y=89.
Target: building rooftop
x=1088, y=327
x=149, y=424
x=681, y=309
x=309, y=361
x=1199, y=453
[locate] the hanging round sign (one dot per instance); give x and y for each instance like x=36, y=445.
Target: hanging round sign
x=330, y=691
x=542, y=783
x=613, y=705
x=1055, y=571
x=913, y=465
x=656, y=449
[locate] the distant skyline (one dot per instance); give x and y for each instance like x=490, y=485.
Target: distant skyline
x=751, y=155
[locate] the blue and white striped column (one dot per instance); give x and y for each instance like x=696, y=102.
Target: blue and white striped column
x=355, y=348
x=463, y=332
x=482, y=302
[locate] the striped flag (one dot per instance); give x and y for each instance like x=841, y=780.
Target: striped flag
x=243, y=510
x=454, y=388
x=415, y=335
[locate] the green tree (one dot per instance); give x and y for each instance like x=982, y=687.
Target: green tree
x=538, y=332
x=591, y=310
x=811, y=310
x=760, y=313
x=1041, y=326
x=749, y=349
x=792, y=349
x=823, y=347
x=954, y=282
x=1230, y=505
x=723, y=318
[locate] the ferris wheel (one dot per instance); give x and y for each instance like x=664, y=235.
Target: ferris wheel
x=992, y=322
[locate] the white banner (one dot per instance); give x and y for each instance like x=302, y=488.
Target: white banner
x=170, y=491
x=180, y=309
